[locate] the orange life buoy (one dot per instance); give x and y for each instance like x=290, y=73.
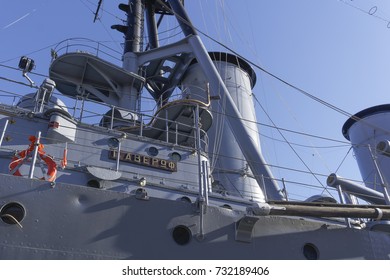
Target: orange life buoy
x=19, y=159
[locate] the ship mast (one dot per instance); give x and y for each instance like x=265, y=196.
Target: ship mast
x=248, y=146
x=181, y=55
x=133, y=34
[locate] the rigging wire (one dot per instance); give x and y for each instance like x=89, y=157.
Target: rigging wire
x=273, y=126
x=98, y=6
x=283, y=81
x=101, y=8
x=30, y=53
x=373, y=11
x=342, y=161
x=214, y=113
x=305, y=146
x=289, y=169
x=306, y=93
x=291, y=147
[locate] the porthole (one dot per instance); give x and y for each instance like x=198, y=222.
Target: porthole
x=176, y=156
x=185, y=199
x=152, y=151
x=12, y=213
x=181, y=234
x=227, y=206
x=141, y=194
x=310, y=251
x=93, y=183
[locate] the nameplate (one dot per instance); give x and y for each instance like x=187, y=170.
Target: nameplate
x=143, y=160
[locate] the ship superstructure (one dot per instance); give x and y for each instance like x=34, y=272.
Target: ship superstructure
x=185, y=181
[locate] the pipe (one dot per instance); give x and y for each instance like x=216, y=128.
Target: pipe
x=133, y=36
x=329, y=210
x=34, y=159
x=360, y=191
x=3, y=133
x=152, y=26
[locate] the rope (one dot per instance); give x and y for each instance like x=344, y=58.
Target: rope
x=12, y=218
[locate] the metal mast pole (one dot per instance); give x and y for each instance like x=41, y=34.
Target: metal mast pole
x=133, y=35
x=248, y=147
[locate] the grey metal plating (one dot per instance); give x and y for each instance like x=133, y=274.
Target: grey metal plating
x=157, y=186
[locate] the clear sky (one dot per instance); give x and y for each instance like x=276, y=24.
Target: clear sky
x=337, y=50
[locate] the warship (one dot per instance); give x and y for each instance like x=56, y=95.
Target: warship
x=88, y=173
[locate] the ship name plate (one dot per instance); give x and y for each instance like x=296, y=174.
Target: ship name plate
x=143, y=160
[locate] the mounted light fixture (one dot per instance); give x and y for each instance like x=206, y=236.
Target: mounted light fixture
x=27, y=65
x=383, y=147
x=142, y=182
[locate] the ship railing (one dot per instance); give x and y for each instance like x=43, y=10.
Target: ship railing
x=89, y=115
x=185, y=183
x=9, y=98
x=99, y=49
x=89, y=112
x=91, y=118
x=200, y=95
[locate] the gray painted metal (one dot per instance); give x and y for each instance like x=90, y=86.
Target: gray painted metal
x=231, y=171
x=101, y=207
x=247, y=145
x=71, y=213
x=362, y=192
x=85, y=75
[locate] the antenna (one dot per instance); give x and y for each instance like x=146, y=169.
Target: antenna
x=97, y=10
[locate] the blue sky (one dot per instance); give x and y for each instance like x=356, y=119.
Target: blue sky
x=333, y=49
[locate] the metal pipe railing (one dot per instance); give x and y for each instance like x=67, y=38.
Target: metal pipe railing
x=34, y=158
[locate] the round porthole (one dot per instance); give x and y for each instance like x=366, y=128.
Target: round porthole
x=12, y=213
x=152, y=151
x=181, y=234
x=227, y=206
x=93, y=183
x=176, y=156
x=310, y=251
x=185, y=199
x=113, y=142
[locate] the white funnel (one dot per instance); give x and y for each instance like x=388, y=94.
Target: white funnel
x=229, y=167
x=369, y=130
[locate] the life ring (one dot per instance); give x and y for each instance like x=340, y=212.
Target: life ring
x=20, y=157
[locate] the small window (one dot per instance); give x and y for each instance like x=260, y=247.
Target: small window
x=310, y=251
x=185, y=199
x=12, y=213
x=93, y=183
x=152, y=151
x=227, y=206
x=176, y=156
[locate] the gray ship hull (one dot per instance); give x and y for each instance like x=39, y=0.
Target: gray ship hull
x=74, y=222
